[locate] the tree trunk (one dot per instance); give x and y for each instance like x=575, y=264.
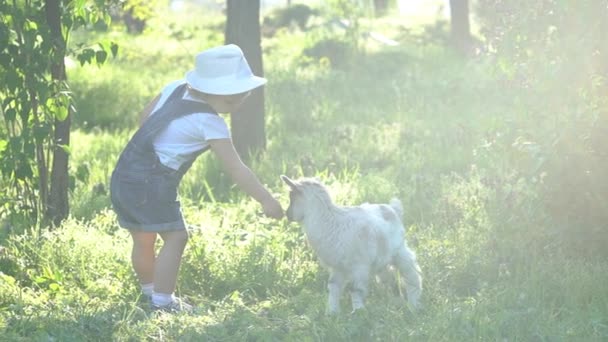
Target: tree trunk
x=243, y=29
x=58, y=206
x=380, y=7
x=601, y=53
x=460, y=25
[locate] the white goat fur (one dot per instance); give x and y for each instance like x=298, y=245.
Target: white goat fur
x=353, y=242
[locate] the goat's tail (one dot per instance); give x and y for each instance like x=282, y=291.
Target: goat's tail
x=395, y=203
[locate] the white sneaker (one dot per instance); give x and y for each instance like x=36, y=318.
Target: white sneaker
x=176, y=305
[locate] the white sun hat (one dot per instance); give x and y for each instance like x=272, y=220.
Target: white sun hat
x=223, y=70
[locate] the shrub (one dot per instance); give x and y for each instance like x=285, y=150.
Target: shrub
x=556, y=51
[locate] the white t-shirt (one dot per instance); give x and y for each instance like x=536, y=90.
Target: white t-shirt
x=187, y=134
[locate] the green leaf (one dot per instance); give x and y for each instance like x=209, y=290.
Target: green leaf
x=71, y=182
x=65, y=148
x=61, y=113
x=67, y=21
x=23, y=170
x=24, y=113
x=42, y=131
x=100, y=56
x=82, y=172
x=60, y=105
x=85, y=56
x=107, y=18
x=40, y=280
x=10, y=114
x=31, y=25
x=114, y=49
x=13, y=80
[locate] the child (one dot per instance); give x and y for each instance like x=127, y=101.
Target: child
x=179, y=124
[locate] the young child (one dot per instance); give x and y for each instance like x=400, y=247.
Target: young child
x=178, y=125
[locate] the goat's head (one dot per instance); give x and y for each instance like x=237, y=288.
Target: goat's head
x=305, y=195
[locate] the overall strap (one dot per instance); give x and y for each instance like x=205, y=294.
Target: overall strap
x=173, y=108
x=139, y=153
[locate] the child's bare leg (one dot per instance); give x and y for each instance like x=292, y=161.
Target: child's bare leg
x=168, y=261
x=142, y=255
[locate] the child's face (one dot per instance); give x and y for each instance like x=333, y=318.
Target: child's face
x=226, y=103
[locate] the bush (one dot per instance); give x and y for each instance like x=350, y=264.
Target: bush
x=284, y=17
x=557, y=51
x=566, y=37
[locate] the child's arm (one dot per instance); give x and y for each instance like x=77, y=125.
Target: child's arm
x=244, y=177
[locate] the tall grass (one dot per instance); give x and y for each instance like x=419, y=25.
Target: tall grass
x=415, y=121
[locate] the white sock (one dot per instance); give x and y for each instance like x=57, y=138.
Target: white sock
x=162, y=299
x=147, y=289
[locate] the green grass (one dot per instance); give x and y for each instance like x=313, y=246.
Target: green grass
x=444, y=134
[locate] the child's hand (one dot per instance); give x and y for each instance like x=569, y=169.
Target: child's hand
x=272, y=208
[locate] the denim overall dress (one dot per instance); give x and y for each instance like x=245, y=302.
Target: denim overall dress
x=143, y=190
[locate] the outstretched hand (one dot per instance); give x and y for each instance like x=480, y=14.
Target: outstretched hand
x=273, y=209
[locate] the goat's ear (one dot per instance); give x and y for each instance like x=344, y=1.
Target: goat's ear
x=289, y=182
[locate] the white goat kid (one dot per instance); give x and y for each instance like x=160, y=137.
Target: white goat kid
x=353, y=242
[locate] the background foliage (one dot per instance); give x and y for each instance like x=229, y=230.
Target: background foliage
x=34, y=96
x=556, y=51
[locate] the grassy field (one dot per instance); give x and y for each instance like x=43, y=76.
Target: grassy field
x=467, y=149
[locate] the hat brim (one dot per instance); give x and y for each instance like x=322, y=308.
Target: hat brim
x=223, y=87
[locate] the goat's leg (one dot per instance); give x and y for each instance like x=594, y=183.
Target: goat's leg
x=360, y=285
x=335, y=285
x=405, y=260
